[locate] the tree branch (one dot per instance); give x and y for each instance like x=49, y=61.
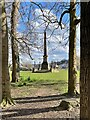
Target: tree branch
x=76, y=21
x=67, y=11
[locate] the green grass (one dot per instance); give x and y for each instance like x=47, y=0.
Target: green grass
x=55, y=80
x=42, y=78
x=55, y=76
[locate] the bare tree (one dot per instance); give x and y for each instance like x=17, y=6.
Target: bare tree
x=15, y=52
x=72, y=71
x=0, y=55
x=6, y=93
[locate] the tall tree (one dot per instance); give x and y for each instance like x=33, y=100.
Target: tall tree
x=72, y=71
x=0, y=56
x=72, y=77
x=15, y=53
x=85, y=61
x=6, y=93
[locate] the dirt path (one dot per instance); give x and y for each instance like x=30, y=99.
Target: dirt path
x=42, y=102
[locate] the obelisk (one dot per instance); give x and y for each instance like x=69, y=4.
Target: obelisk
x=45, y=63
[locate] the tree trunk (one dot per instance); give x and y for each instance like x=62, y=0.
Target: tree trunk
x=6, y=93
x=0, y=56
x=15, y=54
x=72, y=52
x=85, y=61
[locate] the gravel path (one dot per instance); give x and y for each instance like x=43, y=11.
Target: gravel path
x=39, y=102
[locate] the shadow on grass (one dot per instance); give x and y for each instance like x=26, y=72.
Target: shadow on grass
x=38, y=83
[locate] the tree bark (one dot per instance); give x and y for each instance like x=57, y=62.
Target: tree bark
x=6, y=93
x=72, y=77
x=85, y=62
x=15, y=53
x=0, y=55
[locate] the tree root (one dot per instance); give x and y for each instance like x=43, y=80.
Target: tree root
x=6, y=102
x=75, y=94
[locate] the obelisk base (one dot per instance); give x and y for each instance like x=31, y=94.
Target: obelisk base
x=44, y=66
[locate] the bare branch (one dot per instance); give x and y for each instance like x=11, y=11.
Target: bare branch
x=68, y=11
x=60, y=22
x=38, y=6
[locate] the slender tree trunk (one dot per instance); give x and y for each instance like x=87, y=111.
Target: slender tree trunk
x=15, y=54
x=85, y=61
x=6, y=93
x=72, y=52
x=0, y=55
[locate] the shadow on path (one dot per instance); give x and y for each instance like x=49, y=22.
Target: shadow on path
x=23, y=100
x=17, y=112
x=25, y=112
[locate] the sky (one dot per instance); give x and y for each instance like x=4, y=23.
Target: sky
x=56, y=38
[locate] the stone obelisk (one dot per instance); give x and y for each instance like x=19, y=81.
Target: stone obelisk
x=45, y=63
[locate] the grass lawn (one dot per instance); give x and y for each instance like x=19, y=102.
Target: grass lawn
x=55, y=76
x=57, y=80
